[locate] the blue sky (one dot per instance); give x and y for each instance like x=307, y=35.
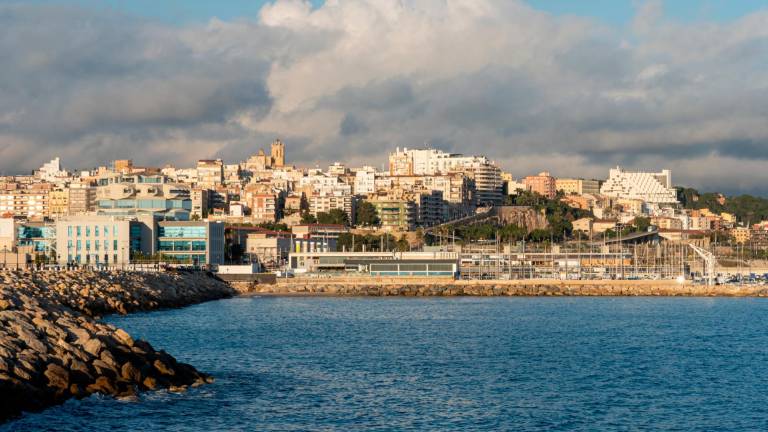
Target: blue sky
x=615, y=12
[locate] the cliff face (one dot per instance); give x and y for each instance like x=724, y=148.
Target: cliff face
x=52, y=347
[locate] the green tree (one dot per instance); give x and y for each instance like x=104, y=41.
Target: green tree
x=366, y=214
x=335, y=216
x=308, y=218
x=402, y=244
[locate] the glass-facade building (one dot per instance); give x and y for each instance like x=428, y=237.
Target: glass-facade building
x=40, y=236
x=188, y=242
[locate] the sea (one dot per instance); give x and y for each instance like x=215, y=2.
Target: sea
x=447, y=364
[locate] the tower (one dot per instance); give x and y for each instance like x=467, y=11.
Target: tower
x=278, y=154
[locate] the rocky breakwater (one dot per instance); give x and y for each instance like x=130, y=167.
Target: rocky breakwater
x=52, y=346
x=412, y=287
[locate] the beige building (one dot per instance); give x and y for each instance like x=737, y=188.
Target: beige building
x=58, y=203
x=741, y=234
x=577, y=186
x=210, y=172
x=82, y=199
x=28, y=203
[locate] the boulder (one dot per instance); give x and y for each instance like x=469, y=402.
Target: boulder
x=58, y=377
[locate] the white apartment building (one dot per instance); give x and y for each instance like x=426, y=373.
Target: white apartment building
x=365, y=181
x=653, y=188
x=487, y=175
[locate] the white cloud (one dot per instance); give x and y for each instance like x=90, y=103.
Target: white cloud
x=354, y=78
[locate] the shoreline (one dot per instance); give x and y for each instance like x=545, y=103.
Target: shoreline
x=54, y=346
x=422, y=287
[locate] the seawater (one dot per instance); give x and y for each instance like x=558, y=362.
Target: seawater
x=448, y=364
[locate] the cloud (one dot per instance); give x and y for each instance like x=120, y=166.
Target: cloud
x=352, y=79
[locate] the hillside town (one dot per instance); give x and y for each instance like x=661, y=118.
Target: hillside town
x=264, y=210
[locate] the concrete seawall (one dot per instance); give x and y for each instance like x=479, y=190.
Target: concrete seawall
x=381, y=287
x=53, y=348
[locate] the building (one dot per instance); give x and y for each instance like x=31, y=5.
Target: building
x=263, y=207
x=577, y=186
x=271, y=248
x=425, y=264
x=667, y=223
x=210, y=172
x=653, y=188
x=542, y=183
x=7, y=233
x=365, y=181
x=124, y=166
x=200, y=203
x=58, y=203
x=741, y=235
x=324, y=231
x=51, y=171
x=263, y=162
x=28, y=203
x=395, y=214
x=134, y=195
x=513, y=187
x=325, y=201
x=191, y=242
x=96, y=240
x=427, y=162
x=82, y=199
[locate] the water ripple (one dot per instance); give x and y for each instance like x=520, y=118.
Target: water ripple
x=334, y=364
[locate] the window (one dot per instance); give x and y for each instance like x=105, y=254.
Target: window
x=78, y=231
x=106, y=244
x=96, y=231
x=69, y=231
x=114, y=258
x=106, y=231
x=87, y=230
x=96, y=244
x=79, y=244
x=114, y=245
x=114, y=230
x=87, y=245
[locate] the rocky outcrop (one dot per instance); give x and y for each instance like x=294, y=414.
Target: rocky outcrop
x=450, y=288
x=53, y=348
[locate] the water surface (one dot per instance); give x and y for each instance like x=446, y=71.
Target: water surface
x=462, y=364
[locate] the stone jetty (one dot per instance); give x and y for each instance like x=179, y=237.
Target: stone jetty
x=426, y=287
x=52, y=346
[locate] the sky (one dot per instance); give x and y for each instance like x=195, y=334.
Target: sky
x=572, y=87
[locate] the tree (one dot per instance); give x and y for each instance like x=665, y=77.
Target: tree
x=272, y=226
x=642, y=223
x=195, y=217
x=402, y=244
x=366, y=214
x=335, y=216
x=308, y=218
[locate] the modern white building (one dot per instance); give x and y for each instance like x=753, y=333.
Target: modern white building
x=653, y=188
x=51, y=171
x=94, y=240
x=365, y=181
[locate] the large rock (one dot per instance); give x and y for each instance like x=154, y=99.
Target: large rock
x=58, y=377
x=51, y=347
